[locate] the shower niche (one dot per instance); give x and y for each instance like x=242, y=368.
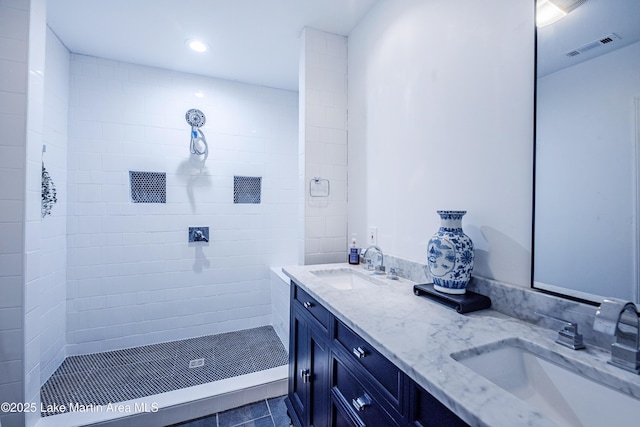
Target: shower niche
x=247, y=189
x=148, y=187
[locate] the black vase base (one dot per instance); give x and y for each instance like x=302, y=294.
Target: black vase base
x=462, y=303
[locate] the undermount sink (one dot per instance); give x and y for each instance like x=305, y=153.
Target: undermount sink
x=344, y=279
x=559, y=392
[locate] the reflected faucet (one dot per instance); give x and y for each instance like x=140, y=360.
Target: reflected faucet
x=621, y=319
x=379, y=269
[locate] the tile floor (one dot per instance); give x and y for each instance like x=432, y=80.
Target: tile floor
x=265, y=413
x=132, y=373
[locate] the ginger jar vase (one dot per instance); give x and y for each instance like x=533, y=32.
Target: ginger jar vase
x=450, y=254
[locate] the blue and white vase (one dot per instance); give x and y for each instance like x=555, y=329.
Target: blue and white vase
x=450, y=254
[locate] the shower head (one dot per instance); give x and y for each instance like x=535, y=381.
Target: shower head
x=195, y=118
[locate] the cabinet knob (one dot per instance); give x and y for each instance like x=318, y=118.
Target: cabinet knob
x=361, y=402
x=307, y=304
x=359, y=352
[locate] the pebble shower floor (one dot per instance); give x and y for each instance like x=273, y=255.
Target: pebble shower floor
x=132, y=373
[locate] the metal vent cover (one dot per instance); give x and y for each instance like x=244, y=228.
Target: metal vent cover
x=148, y=187
x=609, y=38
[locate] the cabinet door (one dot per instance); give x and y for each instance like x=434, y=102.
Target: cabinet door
x=299, y=369
x=319, y=382
x=308, y=371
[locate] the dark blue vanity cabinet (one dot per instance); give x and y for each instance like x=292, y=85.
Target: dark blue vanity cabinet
x=336, y=379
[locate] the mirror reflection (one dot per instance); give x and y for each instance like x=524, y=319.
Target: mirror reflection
x=586, y=227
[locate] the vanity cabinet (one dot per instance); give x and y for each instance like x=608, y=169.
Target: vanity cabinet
x=337, y=379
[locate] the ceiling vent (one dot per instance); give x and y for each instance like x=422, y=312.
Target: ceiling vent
x=609, y=38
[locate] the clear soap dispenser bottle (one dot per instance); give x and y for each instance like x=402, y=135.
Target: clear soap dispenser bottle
x=354, y=251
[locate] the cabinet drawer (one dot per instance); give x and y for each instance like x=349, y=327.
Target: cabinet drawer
x=340, y=414
x=361, y=404
x=312, y=306
x=385, y=372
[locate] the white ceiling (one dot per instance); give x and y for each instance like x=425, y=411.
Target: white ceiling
x=257, y=41
x=253, y=41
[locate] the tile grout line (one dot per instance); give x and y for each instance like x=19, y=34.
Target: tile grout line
x=270, y=413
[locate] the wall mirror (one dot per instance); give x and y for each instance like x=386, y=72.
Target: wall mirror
x=586, y=242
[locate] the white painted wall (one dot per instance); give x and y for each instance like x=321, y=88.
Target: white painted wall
x=133, y=279
x=586, y=175
x=441, y=117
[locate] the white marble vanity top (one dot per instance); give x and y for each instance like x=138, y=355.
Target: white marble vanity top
x=419, y=336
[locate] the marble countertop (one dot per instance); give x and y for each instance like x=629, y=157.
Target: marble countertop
x=419, y=336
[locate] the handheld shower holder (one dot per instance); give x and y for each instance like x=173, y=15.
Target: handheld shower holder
x=197, y=119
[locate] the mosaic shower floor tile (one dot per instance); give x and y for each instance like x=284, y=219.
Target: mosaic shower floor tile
x=132, y=373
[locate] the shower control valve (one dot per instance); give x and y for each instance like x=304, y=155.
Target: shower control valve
x=198, y=234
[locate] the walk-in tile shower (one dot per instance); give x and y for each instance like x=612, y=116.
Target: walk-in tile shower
x=132, y=308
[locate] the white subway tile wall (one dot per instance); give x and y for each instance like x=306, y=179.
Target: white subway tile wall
x=53, y=229
x=323, y=146
x=280, y=295
x=133, y=278
x=14, y=33
x=36, y=279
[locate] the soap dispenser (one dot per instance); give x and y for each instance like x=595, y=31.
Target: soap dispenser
x=354, y=251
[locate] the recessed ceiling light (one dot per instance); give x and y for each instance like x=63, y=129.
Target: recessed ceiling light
x=547, y=13
x=199, y=95
x=550, y=11
x=197, y=45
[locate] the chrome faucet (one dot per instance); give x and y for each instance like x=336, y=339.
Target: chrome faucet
x=621, y=320
x=198, y=236
x=568, y=336
x=379, y=269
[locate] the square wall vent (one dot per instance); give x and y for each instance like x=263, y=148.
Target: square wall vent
x=148, y=187
x=247, y=189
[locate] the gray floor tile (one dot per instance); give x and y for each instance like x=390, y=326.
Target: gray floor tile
x=244, y=414
x=259, y=422
x=279, y=412
x=266, y=413
x=210, y=421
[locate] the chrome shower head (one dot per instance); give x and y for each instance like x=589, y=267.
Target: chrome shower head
x=195, y=118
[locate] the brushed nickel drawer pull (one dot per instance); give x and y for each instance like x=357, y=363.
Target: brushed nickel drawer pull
x=361, y=402
x=307, y=304
x=359, y=352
